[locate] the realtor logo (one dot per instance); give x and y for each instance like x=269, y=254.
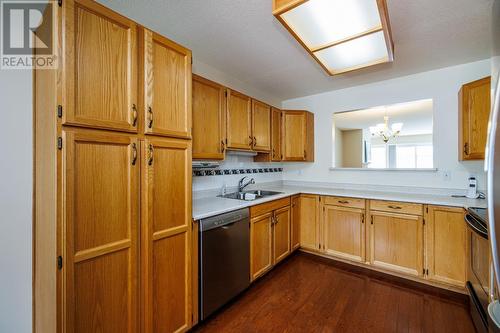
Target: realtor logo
x=21, y=47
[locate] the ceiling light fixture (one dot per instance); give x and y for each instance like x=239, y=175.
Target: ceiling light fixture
x=342, y=35
x=384, y=131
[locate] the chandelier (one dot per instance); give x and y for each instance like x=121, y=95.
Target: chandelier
x=384, y=131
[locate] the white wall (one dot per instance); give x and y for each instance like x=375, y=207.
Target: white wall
x=15, y=200
x=441, y=85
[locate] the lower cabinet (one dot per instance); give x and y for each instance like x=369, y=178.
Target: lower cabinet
x=308, y=211
x=344, y=232
x=295, y=223
x=269, y=235
x=446, y=245
x=166, y=235
x=396, y=242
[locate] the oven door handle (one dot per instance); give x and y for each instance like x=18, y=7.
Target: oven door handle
x=473, y=226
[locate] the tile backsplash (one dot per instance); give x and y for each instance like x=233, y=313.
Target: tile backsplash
x=232, y=169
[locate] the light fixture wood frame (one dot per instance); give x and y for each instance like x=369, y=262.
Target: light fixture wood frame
x=282, y=6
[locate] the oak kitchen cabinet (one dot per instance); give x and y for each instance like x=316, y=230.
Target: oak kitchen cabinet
x=94, y=270
x=261, y=126
x=308, y=206
x=474, y=109
x=295, y=223
x=276, y=120
x=239, y=121
x=343, y=226
x=298, y=136
x=446, y=245
x=209, y=119
x=167, y=87
x=269, y=235
x=396, y=237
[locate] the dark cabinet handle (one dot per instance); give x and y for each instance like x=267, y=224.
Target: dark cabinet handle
x=466, y=148
x=394, y=207
x=343, y=202
x=254, y=141
x=134, y=115
x=222, y=146
x=251, y=141
x=151, y=152
x=134, y=153
x=150, y=117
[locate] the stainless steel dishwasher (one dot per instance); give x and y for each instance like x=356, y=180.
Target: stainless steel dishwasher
x=224, y=259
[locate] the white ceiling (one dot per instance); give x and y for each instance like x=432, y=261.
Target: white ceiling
x=242, y=39
x=416, y=117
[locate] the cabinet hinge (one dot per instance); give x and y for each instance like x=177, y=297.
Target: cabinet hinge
x=319, y=199
x=371, y=219
x=423, y=221
x=426, y=209
x=423, y=271
x=59, y=143
x=59, y=262
x=225, y=93
x=59, y=3
x=59, y=111
x=426, y=272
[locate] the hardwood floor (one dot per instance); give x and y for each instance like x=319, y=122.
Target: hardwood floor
x=312, y=294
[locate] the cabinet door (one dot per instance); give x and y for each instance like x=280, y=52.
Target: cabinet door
x=294, y=136
x=209, y=113
x=309, y=225
x=295, y=223
x=100, y=69
x=239, y=121
x=166, y=235
x=261, y=126
x=474, y=106
x=260, y=245
x=276, y=154
x=281, y=234
x=344, y=232
x=100, y=186
x=446, y=245
x=167, y=87
x=397, y=242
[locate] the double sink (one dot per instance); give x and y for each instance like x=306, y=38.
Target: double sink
x=249, y=195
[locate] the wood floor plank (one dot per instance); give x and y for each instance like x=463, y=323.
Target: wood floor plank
x=310, y=294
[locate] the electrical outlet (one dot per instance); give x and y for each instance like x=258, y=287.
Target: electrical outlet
x=446, y=175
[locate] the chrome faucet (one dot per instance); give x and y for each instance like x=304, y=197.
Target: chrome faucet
x=241, y=186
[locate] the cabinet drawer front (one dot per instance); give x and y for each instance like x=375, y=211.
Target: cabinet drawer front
x=269, y=206
x=397, y=207
x=345, y=202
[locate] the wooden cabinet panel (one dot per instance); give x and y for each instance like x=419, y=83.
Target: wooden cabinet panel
x=309, y=221
x=166, y=235
x=100, y=186
x=269, y=206
x=260, y=244
x=344, y=232
x=281, y=234
x=239, y=121
x=298, y=136
x=261, y=126
x=397, y=207
x=474, y=111
x=167, y=87
x=295, y=223
x=397, y=242
x=100, y=67
x=446, y=245
x=345, y=202
x=209, y=114
x=276, y=154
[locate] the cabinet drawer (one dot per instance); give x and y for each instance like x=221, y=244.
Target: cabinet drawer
x=345, y=202
x=397, y=207
x=269, y=206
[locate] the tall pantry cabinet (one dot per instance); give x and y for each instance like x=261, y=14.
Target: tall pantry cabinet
x=112, y=129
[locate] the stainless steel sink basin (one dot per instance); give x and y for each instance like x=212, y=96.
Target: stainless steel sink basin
x=249, y=195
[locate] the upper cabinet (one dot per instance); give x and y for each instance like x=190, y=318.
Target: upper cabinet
x=261, y=126
x=167, y=87
x=209, y=115
x=99, y=87
x=298, y=136
x=276, y=116
x=474, y=109
x=239, y=121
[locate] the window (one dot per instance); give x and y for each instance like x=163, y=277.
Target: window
x=401, y=156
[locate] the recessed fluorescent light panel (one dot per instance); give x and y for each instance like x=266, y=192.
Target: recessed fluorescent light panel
x=342, y=35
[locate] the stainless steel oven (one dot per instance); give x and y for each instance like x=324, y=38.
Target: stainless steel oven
x=479, y=272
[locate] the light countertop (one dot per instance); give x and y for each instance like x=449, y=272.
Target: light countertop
x=212, y=205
